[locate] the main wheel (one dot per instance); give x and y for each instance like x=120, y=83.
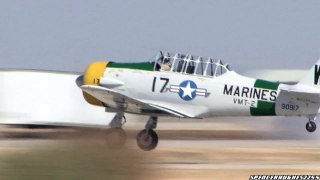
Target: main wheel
x=147, y=139
x=311, y=126
x=116, y=138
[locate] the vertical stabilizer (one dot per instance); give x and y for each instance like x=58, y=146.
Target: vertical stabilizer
x=313, y=76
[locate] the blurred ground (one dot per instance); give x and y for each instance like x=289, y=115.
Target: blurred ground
x=205, y=149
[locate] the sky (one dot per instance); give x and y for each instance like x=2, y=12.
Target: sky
x=67, y=35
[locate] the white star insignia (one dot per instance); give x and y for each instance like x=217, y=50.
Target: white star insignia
x=187, y=91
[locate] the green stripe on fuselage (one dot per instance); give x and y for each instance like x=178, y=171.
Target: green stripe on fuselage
x=264, y=108
x=147, y=66
x=266, y=84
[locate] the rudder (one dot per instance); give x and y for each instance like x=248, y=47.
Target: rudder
x=313, y=76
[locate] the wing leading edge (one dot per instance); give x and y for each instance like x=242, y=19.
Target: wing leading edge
x=117, y=100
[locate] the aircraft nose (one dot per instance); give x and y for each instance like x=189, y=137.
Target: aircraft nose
x=94, y=72
x=79, y=81
x=92, y=75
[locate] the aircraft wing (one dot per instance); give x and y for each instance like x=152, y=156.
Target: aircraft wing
x=117, y=100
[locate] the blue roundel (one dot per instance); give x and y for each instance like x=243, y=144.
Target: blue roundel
x=187, y=90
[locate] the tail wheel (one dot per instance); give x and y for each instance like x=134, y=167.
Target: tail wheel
x=311, y=126
x=147, y=139
x=116, y=138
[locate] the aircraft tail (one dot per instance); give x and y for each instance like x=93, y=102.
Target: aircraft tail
x=312, y=78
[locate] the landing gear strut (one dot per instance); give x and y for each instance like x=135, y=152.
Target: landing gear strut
x=147, y=139
x=116, y=136
x=311, y=125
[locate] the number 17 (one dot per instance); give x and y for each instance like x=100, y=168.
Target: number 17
x=164, y=85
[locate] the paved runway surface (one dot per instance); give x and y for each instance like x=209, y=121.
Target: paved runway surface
x=230, y=151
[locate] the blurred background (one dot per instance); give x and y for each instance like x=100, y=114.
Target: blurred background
x=249, y=35
x=67, y=35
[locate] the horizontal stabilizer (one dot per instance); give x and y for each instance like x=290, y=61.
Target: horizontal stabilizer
x=302, y=93
x=302, y=89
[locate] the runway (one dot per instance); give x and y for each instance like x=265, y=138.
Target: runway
x=231, y=151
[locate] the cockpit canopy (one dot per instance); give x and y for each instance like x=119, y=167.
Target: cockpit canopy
x=188, y=64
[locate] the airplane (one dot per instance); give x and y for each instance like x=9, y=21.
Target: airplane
x=186, y=86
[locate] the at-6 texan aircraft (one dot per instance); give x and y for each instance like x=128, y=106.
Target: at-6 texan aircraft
x=186, y=86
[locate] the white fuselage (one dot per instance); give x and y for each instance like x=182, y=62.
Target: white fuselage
x=229, y=94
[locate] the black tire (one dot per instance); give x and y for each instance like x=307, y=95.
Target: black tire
x=311, y=126
x=147, y=140
x=116, y=138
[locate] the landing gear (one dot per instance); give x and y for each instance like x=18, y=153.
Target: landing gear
x=311, y=125
x=147, y=139
x=116, y=136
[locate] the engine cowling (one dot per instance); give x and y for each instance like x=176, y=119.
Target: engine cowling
x=92, y=76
